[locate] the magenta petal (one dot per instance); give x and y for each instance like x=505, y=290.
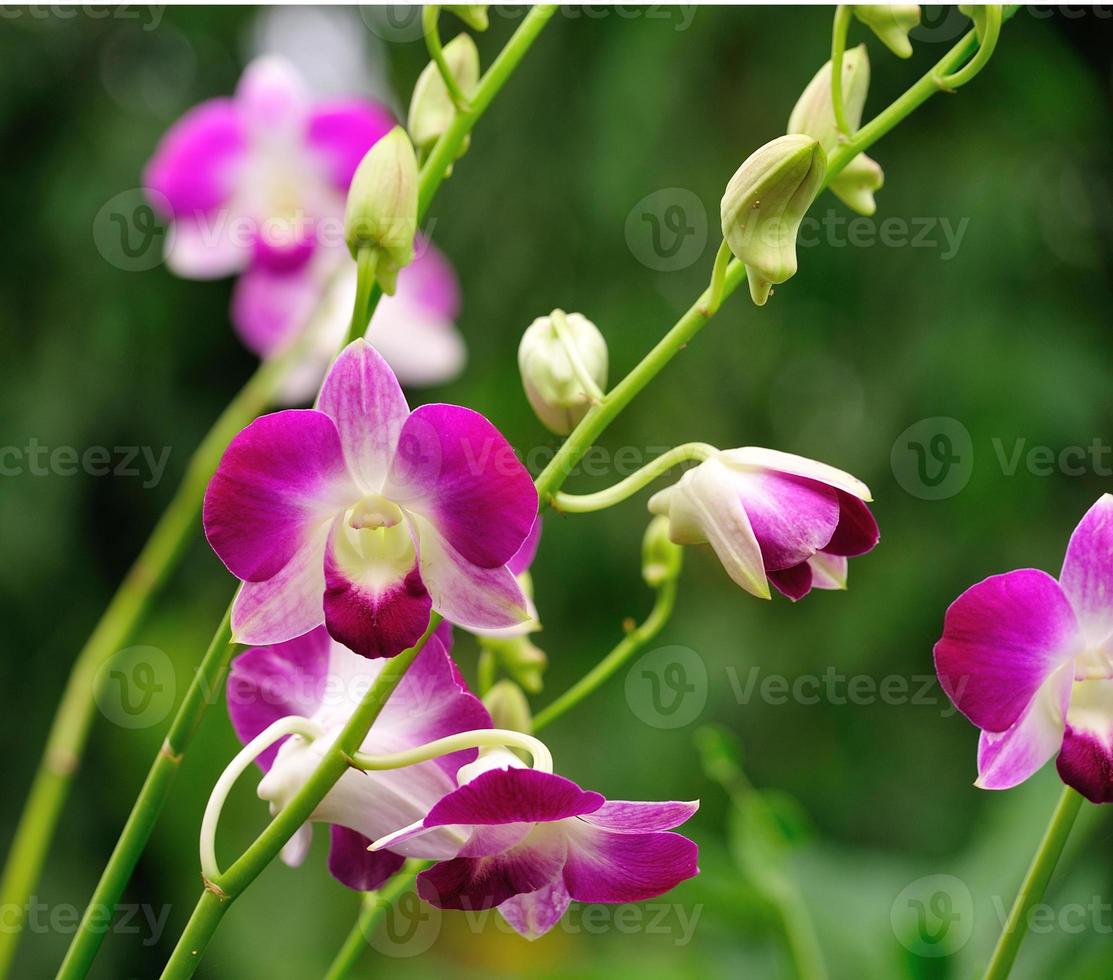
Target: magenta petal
x=1006, y=759
x=269, y=308
x=342, y=132
x=627, y=817
x=376, y=606
x=269, y=683
x=856, y=532
x=1086, y=760
x=431, y=282
x=350, y=863
x=535, y=913
x=278, y=481
x=523, y=557
x=271, y=97
x=609, y=867
x=794, y=582
x=513, y=796
x=792, y=517
x=363, y=398
x=482, y=883
x=1002, y=638
x=455, y=469
x=195, y=165
x=1087, y=576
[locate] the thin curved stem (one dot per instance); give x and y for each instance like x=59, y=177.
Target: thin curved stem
x=290, y=725
x=627, y=647
x=366, y=260
x=430, y=25
x=585, y=503
x=1034, y=884
x=481, y=738
x=843, y=15
x=987, y=44
x=718, y=280
x=373, y=905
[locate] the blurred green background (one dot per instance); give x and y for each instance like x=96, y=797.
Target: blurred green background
x=1004, y=333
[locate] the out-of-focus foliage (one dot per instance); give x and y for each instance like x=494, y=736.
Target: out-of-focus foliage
x=1005, y=328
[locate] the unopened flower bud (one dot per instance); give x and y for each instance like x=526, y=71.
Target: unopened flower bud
x=431, y=108
x=472, y=14
x=814, y=113
x=764, y=204
x=891, y=22
x=855, y=183
x=506, y=703
x=523, y=661
x=563, y=362
x=382, y=206
x=661, y=558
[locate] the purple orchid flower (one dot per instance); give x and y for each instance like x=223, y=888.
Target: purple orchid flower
x=256, y=184
x=535, y=841
x=772, y=517
x=365, y=516
x=1029, y=660
x=317, y=678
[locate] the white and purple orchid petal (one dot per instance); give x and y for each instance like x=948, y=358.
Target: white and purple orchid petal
x=828, y=571
x=522, y=559
x=533, y=914
x=350, y=863
x=195, y=167
x=1086, y=760
x=1087, y=575
x=704, y=506
x=342, y=132
x=484, y=882
x=1002, y=638
x=501, y=796
x=465, y=594
x=271, y=97
x=205, y=247
x=1006, y=759
x=754, y=458
x=856, y=532
x=272, y=682
x=627, y=817
x=296, y=849
x=430, y=281
x=603, y=866
x=792, y=517
x=794, y=583
x=422, y=347
x=375, y=602
x=454, y=469
x=269, y=308
x=287, y=604
x=279, y=481
x=282, y=247
x=362, y=396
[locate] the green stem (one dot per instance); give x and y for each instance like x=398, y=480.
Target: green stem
x=630, y=644
x=585, y=503
x=447, y=148
x=372, y=907
x=1034, y=884
x=219, y=894
x=69, y=730
x=366, y=260
x=718, y=277
x=149, y=803
x=497, y=738
x=843, y=14
x=430, y=17
x=986, y=46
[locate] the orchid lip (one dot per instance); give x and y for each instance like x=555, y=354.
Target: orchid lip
x=374, y=511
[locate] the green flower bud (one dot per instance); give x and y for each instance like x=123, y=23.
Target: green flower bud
x=563, y=363
x=764, y=204
x=519, y=658
x=661, y=558
x=382, y=206
x=891, y=22
x=855, y=183
x=472, y=14
x=506, y=703
x=431, y=108
x=814, y=113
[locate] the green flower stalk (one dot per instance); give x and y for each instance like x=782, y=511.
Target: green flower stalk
x=764, y=204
